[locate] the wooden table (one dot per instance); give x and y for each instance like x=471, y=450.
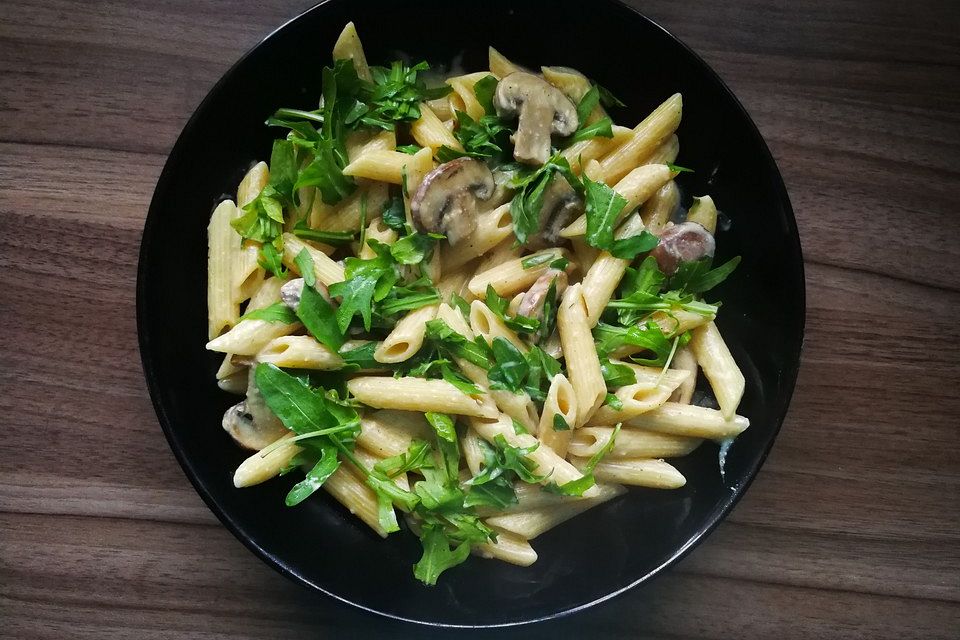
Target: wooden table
x=852, y=529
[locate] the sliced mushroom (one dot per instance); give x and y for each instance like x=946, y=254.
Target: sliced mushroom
x=542, y=109
x=561, y=205
x=290, y=293
x=531, y=304
x=684, y=242
x=251, y=423
x=446, y=201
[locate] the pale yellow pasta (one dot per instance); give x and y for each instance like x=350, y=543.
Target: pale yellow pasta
x=508, y=547
x=583, y=365
x=472, y=453
x=684, y=360
x=675, y=322
x=499, y=65
x=235, y=382
x=574, y=85
x=647, y=136
x=486, y=324
x=630, y=443
x=356, y=496
x=349, y=47
x=704, y=212
x=369, y=198
x=249, y=336
x=246, y=275
x=382, y=165
x=637, y=187
x=493, y=227
x=361, y=142
x=380, y=232
x=666, y=153
x=463, y=88
x=442, y=109
x=689, y=420
x=718, y=365
x=533, y=522
x=252, y=184
x=265, y=464
x=503, y=252
x=406, y=337
x=655, y=474
x=550, y=466
x=416, y=394
x=299, y=352
x=429, y=131
x=419, y=165
x=605, y=273
x=579, y=154
x=389, y=433
x=648, y=393
x=591, y=170
x=369, y=459
x=326, y=270
x=660, y=207
x=223, y=309
x=561, y=401
x=510, y=277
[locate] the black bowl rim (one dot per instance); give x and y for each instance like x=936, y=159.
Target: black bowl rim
x=153, y=219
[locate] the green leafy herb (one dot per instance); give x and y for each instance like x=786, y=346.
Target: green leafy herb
x=481, y=139
x=413, y=248
x=394, y=215
x=367, y=281
x=320, y=318
x=484, y=88
x=301, y=230
x=271, y=260
x=616, y=374
x=262, y=218
x=396, y=95
x=437, y=554
x=675, y=168
x=411, y=149
x=560, y=264
x=500, y=307
x=541, y=368
x=630, y=248
x=548, y=317
x=698, y=277
x=361, y=357
x=538, y=259
x=526, y=206
x=518, y=428
x=603, y=207
x=511, y=367
x=300, y=408
x=498, y=494
x=277, y=312
x=578, y=486
x=315, y=478
x=613, y=402
x=603, y=127
x=607, y=99
x=304, y=262
x=476, y=352
x=417, y=456
x=460, y=304
x=648, y=339
x=560, y=423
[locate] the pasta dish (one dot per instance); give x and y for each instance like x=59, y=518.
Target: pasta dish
x=473, y=304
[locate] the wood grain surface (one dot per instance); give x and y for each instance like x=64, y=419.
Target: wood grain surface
x=851, y=530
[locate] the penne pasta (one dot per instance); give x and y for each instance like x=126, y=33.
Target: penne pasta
x=689, y=420
x=655, y=474
x=223, y=309
x=530, y=524
x=718, y=365
x=630, y=443
x=704, y=212
x=647, y=136
x=510, y=277
x=583, y=365
x=416, y=394
x=561, y=403
x=299, y=352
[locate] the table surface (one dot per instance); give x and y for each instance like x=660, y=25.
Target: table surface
x=852, y=529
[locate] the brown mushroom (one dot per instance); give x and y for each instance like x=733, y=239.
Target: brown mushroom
x=251, y=423
x=542, y=109
x=446, y=201
x=684, y=242
x=561, y=205
x=531, y=304
x=290, y=293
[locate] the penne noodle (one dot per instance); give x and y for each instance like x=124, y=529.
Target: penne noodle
x=493, y=227
x=260, y=466
x=356, y=496
x=579, y=154
x=299, y=352
x=252, y=184
x=718, y=365
x=326, y=270
x=485, y=323
x=429, y=131
x=561, y=401
x=508, y=547
x=689, y=420
x=416, y=394
x=499, y=65
x=651, y=390
x=660, y=207
x=605, y=273
x=630, y=443
x=223, y=309
x=684, y=360
x=467, y=99
x=348, y=47
x=510, y=277
x=647, y=136
x=406, y=338
x=389, y=433
x=655, y=474
x=704, y=212
x=580, y=353
x=530, y=524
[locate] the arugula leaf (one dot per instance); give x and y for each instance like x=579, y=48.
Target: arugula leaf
x=578, y=486
x=277, y=312
x=397, y=94
x=498, y=493
x=615, y=374
x=537, y=259
x=517, y=427
x=511, y=367
x=675, y=168
x=297, y=121
x=484, y=88
x=437, y=555
x=262, y=219
x=649, y=338
x=607, y=99
x=542, y=367
x=459, y=381
x=361, y=357
x=476, y=352
x=300, y=408
x=410, y=149
x=367, y=281
x=460, y=304
x=320, y=318
x=394, y=215
x=417, y=456
x=560, y=423
x=500, y=307
x=325, y=172
x=515, y=459
x=304, y=262
x=603, y=207
x=315, y=478
x=301, y=230
x=271, y=260
x=527, y=203
x=407, y=299
x=698, y=277
x=413, y=248
x=630, y=248
x=613, y=402
x=283, y=168
x=587, y=104
x=548, y=317
x=486, y=138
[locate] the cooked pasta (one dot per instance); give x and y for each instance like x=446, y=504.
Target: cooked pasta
x=473, y=305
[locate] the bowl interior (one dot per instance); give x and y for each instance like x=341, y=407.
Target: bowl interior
x=587, y=558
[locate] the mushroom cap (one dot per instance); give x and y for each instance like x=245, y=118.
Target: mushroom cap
x=561, y=205
x=446, y=200
x=543, y=110
x=290, y=293
x=531, y=304
x=684, y=242
x=243, y=427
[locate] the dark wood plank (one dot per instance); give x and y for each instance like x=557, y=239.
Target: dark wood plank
x=851, y=529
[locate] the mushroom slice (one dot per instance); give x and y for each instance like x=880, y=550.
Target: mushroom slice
x=531, y=304
x=251, y=423
x=543, y=110
x=446, y=201
x=684, y=242
x=290, y=293
x=561, y=205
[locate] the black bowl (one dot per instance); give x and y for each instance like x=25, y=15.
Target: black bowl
x=590, y=558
